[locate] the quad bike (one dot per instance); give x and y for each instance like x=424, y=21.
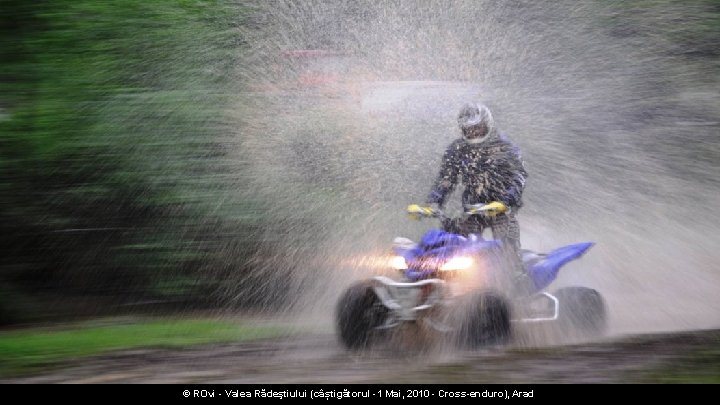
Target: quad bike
x=459, y=286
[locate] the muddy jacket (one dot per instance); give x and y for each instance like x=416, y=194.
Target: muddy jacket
x=491, y=171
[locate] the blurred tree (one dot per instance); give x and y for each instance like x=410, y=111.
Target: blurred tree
x=110, y=120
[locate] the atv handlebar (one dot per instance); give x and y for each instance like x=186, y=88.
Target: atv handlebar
x=491, y=209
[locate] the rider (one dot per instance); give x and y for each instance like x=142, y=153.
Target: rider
x=491, y=169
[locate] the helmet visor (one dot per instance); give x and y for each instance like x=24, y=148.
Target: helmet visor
x=478, y=131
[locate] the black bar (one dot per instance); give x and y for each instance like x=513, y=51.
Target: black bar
x=363, y=392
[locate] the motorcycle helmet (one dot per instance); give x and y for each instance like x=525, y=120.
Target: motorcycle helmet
x=476, y=122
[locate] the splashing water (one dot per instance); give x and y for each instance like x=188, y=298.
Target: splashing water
x=617, y=124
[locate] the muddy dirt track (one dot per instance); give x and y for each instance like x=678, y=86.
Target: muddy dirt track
x=319, y=359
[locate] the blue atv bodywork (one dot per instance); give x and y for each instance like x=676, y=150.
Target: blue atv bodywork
x=544, y=271
x=438, y=246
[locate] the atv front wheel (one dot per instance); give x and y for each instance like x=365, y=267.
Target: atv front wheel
x=358, y=313
x=486, y=320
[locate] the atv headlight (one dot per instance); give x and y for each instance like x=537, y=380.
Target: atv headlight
x=457, y=263
x=398, y=263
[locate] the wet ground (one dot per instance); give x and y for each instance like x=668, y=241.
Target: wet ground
x=320, y=359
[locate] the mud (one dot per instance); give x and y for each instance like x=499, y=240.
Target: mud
x=320, y=359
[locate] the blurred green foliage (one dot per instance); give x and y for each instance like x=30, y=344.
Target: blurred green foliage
x=110, y=120
x=35, y=349
x=697, y=367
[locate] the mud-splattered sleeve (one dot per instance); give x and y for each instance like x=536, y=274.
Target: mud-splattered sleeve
x=448, y=176
x=518, y=175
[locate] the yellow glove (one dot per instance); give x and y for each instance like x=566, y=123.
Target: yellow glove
x=491, y=209
x=416, y=212
x=495, y=208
